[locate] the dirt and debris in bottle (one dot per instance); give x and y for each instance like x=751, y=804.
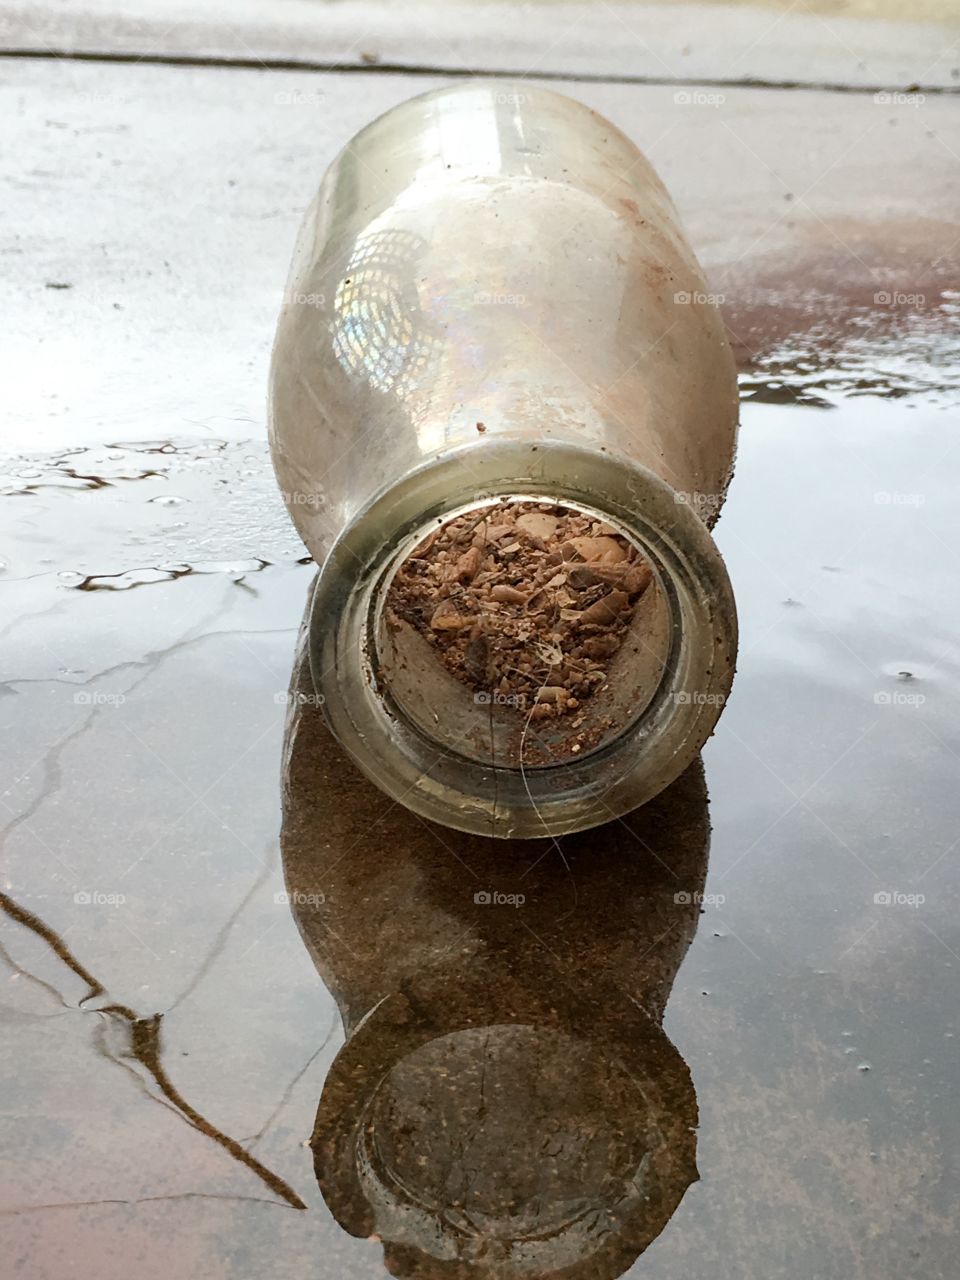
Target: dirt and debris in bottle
x=526, y=603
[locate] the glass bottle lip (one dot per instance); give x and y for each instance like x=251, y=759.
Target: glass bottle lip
x=463, y=793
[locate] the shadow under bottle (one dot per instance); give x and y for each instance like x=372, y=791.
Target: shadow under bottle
x=506, y=1103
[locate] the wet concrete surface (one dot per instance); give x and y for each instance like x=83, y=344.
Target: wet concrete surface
x=720, y=1037
x=149, y=636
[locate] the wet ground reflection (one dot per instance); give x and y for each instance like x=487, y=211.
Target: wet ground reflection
x=506, y=1102
x=483, y=1088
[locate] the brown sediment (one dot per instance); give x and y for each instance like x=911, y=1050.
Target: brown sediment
x=524, y=602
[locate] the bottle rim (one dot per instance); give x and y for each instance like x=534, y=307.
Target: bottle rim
x=570, y=795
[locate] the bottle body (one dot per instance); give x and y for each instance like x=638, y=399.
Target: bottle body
x=491, y=298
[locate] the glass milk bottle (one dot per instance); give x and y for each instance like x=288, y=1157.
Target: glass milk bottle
x=493, y=322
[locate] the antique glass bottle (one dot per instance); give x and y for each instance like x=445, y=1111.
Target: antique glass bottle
x=491, y=298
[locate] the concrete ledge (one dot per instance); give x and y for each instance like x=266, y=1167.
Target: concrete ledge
x=705, y=43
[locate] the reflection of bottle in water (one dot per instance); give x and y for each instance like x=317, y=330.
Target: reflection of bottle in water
x=491, y=299
x=506, y=1101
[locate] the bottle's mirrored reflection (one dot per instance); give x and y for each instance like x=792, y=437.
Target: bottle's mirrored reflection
x=506, y=1102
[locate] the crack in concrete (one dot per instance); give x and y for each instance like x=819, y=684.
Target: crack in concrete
x=144, y=1047
x=268, y=63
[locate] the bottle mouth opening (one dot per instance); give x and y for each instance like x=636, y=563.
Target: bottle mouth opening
x=441, y=758
x=522, y=632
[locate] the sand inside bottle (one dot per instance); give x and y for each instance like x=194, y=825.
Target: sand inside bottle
x=530, y=617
